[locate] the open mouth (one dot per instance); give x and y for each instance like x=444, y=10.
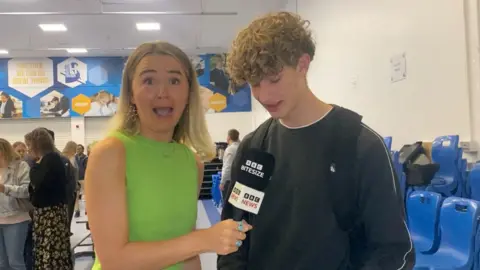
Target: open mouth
x=163, y=111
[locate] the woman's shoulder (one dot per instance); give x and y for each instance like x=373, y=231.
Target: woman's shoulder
x=108, y=148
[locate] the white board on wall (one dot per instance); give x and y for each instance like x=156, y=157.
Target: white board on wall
x=15, y=130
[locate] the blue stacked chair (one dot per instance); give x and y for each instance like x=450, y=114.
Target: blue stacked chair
x=216, y=193
x=459, y=219
x=388, y=142
x=474, y=182
x=399, y=171
x=464, y=176
x=447, y=181
x=423, y=210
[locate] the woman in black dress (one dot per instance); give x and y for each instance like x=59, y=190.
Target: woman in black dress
x=48, y=194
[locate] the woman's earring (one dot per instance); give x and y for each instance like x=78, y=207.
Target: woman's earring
x=132, y=112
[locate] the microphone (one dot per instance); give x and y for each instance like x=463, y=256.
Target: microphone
x=256, y=168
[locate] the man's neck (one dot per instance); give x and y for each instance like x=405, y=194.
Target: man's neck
x=308, y=110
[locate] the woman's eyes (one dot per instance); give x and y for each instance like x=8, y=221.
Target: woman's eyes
x=174, y=81
x=150, y=81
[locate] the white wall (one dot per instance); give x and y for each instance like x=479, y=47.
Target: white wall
x=15, y=130
x=86, y=130
x=355, y=41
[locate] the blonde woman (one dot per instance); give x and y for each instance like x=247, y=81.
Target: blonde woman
x=143, y=180
x=69, y=151
x=14, y=207
x=20, y=148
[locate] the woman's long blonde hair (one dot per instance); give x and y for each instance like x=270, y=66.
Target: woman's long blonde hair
x=7, y=151
x=191, y=129
x=70, y=149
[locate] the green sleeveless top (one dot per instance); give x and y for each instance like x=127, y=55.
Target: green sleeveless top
x=161, y=185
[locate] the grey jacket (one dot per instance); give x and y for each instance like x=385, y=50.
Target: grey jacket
x=15, y=199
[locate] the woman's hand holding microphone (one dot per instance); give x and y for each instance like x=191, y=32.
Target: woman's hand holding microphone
x=227, y=236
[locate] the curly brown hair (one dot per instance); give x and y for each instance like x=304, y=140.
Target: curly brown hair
x=267, y=45
x=40, y=141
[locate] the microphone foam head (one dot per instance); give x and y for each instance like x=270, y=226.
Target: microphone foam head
x=256, y=168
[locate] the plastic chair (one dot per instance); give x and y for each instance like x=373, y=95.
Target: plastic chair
x=398, y=170
x=458, y=231
x=423, y=210
x=462, y=181
x=464, y=176
x=474, y=182
x=216, y=193
x=388, y=142
x=445, y=151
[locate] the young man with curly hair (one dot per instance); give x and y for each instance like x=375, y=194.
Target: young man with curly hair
x=333, y=202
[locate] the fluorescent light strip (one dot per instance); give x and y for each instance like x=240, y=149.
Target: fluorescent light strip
x=148, y=26
x=53, y=27
x=77, y=50
x=3, y=52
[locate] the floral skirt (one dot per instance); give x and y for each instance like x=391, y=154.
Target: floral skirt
x=51, y=239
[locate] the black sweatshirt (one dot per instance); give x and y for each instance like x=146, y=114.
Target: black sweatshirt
x=48, y=181
x=296, y=228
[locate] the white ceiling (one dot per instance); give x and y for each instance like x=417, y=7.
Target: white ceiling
x=107, y=27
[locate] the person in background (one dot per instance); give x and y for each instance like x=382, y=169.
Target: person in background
x=21, y=149
x=333, y=201
x=49, y=195
x=233, y=140
x=28, y=252
x=14, y=207
x=81, y=159
x=7, y=107
x=145, y=174
x=69, y=151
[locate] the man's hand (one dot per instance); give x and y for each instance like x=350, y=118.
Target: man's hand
x=222, y=186
x=2, y=188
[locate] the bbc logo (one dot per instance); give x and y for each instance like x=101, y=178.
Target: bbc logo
x=254, y=165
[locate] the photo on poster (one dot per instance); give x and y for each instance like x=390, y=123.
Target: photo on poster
x=54, y=104
x=198, y=64
x=219, y=78
x=205, y=95
x=72, y=72
x=102, y=103
x=10, y=106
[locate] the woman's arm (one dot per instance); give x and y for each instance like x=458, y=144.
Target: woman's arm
x=20, y=191
x=106, y=203
x=195, y=263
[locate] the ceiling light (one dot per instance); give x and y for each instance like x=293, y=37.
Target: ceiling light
x=3, y=52
x=77, y=50
x=53, y=27
x=148, y=26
